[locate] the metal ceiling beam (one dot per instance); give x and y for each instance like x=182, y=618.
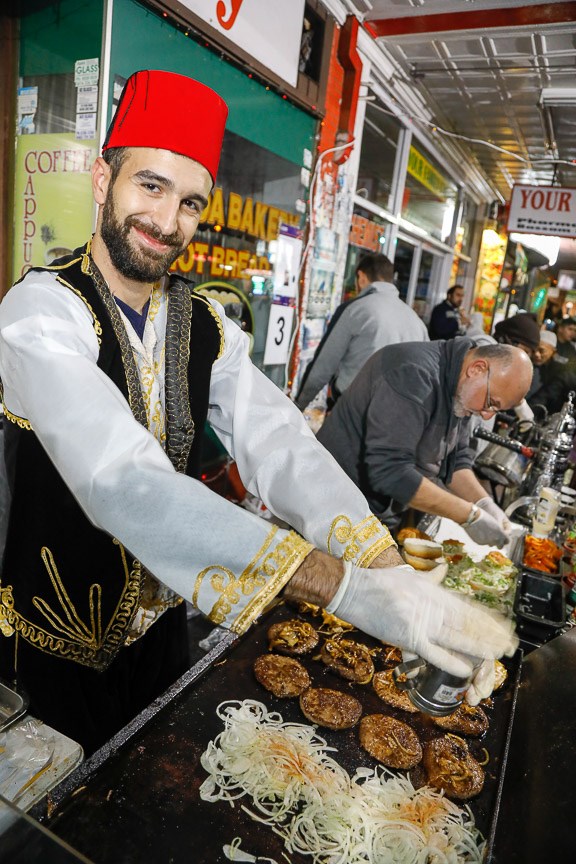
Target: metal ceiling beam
x=480, y=19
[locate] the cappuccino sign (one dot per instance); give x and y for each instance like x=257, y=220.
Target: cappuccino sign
x=549, y=210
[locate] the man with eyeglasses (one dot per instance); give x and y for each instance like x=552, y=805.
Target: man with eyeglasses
x=401, y=431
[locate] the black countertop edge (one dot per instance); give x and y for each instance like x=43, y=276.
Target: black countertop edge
x=54, y=798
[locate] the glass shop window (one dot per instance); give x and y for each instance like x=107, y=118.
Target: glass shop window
x=378, y=156
x=429, y=197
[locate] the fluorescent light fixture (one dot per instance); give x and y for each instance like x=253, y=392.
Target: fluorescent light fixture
x=558, y=96
x=547, y=246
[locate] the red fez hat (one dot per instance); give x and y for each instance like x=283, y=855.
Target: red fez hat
x=171, y=112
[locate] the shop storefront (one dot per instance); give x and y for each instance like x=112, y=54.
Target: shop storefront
x=69, y=85
x=409, y=206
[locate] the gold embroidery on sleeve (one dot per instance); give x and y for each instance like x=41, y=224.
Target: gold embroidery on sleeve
x=354, y=537
x=264, y=577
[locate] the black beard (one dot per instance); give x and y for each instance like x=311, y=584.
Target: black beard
x=130, y=262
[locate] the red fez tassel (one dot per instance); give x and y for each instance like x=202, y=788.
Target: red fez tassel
x=170, y=112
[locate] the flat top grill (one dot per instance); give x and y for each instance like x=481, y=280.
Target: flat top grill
x=138, y=798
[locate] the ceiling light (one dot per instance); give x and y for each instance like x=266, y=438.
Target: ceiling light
x=546, y=245
x=558, y=96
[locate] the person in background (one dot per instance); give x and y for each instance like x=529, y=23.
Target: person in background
x=541, y=360
x=521, y=330
x=402, y=430
x=559, y=375
x=110, y=367
x=359, y=327
x=448, y=318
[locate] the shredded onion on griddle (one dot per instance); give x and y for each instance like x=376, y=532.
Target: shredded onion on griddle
x=294, y=786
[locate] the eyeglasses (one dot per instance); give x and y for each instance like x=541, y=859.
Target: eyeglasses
x=488, y=407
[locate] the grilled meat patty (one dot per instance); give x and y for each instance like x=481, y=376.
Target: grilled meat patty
x=450, y=767
x=390, y=741
x=349, y=659
x=465, y=719
x=293, y=637
x=330, y=708
x=386, y=689
x=283, y=676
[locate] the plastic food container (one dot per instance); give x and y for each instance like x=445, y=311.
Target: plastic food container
x=12, y=705
x=519, y=561
x=539, y=606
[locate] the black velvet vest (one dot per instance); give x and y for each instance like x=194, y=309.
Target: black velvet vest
x=67, y=587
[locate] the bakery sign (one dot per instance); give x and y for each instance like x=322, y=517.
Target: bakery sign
x=549, y=210
x=270, y=31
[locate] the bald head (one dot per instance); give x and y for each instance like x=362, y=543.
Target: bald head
x=493, y=378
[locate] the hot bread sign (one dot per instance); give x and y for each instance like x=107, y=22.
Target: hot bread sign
x=547, y=210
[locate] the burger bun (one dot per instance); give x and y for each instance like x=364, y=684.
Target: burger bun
x=422, y=563
x=422, y=548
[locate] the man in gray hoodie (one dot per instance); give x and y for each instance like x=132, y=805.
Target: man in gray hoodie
x=359, y=327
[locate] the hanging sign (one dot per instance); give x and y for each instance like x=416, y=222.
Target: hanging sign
x=547, y=210
x=270, y=32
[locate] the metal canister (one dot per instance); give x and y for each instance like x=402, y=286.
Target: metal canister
x=431, y=690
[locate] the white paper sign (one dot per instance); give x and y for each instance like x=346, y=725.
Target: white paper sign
x=549, y=210
x=278, y=335
x=27, y=100
x=287, y=265
x=85, y=126
x=86, y=72
x=87, y=99
x=269, y=30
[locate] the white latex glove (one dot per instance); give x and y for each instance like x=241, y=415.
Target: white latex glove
x=398, y=605
x=524, y=412
x=482, y=684
x=490, y=506
x=486, y=530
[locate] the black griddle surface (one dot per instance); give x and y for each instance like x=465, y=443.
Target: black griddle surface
x=141, y=802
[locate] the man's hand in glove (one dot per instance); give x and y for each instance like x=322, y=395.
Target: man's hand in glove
x=490, y=506
x=485, y=529
x=484, y=678
x=399, y=605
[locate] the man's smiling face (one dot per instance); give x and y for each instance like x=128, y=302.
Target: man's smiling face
x=152, y=210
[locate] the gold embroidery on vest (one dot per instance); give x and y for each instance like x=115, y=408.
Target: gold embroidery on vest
x=61, y=266
x=76, y=629
x=95, y=322
x=180, y=429
x=135, y=398
x=218, y=323
x=353, y=537
x=155, y=299
x=77, y=640
x=19, y=421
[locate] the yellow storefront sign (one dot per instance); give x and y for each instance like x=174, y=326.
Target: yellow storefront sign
x=426, y=174
x=53, y=209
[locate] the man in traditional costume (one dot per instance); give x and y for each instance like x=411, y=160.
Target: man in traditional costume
x=110, y=369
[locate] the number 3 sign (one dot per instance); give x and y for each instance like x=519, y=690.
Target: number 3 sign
x=278, y=335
